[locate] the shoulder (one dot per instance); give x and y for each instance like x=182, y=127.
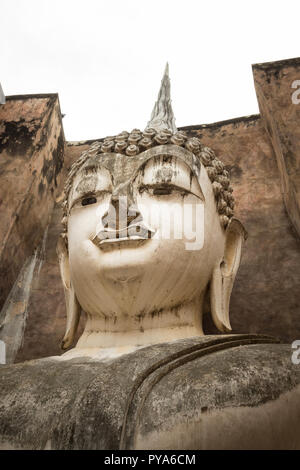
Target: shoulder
x=240, y=396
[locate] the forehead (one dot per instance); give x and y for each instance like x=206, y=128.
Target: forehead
x=122, y=168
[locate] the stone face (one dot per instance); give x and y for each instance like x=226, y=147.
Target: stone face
x=136, y=279
x=148, y=233
x=147, y=398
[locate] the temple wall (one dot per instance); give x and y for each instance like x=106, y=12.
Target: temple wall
x=265, y=297
x=263, y=164
x=277, y=86
x=31, y=159
x=46, y=317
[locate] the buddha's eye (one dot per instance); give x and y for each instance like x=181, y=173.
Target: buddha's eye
x=163, y=189
x=86, y=201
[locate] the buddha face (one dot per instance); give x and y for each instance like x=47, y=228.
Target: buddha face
x=143, y=232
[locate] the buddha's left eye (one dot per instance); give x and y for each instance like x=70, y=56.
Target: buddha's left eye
x=88, y=200
x=162, y=189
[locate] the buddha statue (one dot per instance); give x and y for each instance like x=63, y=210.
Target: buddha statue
x=150, y=241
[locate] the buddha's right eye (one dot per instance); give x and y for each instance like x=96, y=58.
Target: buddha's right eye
x=86, y=201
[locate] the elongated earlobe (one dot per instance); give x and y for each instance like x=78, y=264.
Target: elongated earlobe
x=224, y=275
x=72, y=304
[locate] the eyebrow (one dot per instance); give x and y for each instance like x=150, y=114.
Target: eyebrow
x=91, y=185
x=161, y=161
x=88, y=179
x=89, y=168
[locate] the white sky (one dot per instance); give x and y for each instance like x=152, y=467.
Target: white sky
x=106, y=58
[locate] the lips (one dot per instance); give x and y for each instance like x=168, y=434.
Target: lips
x=128, y=235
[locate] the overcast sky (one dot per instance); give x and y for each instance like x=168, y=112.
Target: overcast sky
x=105, y=58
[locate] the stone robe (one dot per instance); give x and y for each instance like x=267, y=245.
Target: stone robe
x=211, y=392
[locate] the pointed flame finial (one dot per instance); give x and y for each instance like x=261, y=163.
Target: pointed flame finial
x=162, y=116
x=2, y=96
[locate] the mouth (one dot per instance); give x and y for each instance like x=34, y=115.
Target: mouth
x=133, y=235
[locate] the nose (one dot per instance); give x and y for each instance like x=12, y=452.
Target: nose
x=121, y=213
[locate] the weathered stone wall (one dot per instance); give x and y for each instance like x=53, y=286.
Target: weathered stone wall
x=31, y=159
x=263, y=161
x=265, y=297
x=31, y=149
x=275, y=84
x=46, y=316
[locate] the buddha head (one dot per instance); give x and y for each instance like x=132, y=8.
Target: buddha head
x=149, y=236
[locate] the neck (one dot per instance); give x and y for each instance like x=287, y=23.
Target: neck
x=111, y=337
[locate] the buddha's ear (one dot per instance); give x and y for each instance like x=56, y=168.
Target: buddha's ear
x=224, y=275
x=72, y=304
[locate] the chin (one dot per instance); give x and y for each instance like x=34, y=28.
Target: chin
x=121, y=273
x=120, y=262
